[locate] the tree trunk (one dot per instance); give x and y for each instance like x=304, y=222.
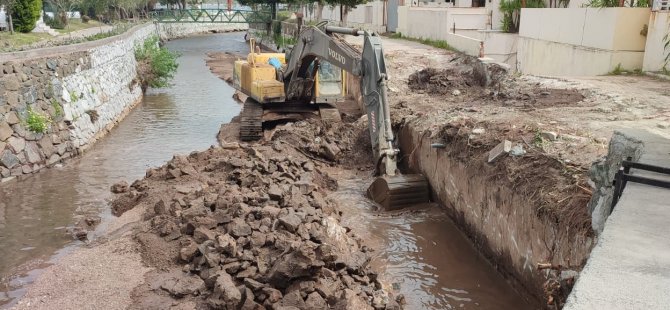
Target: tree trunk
x=11, y=25
x=345, y=11
x=319, y=11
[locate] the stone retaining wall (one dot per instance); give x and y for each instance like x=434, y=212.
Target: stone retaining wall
x=81, y=90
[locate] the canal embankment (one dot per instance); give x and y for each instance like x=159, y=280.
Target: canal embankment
x=56, y=102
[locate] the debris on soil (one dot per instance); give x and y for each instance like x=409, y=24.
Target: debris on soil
x=120, y=187
x=250, y=228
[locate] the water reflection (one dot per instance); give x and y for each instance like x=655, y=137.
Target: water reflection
x=176, y=120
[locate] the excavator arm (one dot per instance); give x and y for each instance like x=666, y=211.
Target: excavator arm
x=315, y=45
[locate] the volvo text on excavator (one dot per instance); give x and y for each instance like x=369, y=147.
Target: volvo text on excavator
x=281, y=87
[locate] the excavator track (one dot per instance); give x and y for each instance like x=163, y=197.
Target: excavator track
x=251, y=121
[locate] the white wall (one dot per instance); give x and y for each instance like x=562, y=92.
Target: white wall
x=436, y=23
x=369, y=16
x=3, y=18
x=654, y=54
x=593, y=42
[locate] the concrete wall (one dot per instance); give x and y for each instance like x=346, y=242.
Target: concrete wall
x=83, y=90
x=3, y=18
x=654, y=52
x=593, y=42
x=436, y=23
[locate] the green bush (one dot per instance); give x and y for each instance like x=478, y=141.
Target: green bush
x=37, y=122
x=54, y=23
x=25, y=14
x=156, y=65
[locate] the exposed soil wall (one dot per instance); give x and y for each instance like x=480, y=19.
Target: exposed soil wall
x=504, y=219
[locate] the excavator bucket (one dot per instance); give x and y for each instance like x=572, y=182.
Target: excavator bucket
x=399, y=191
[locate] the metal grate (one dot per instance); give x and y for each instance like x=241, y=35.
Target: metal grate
x=661, y=5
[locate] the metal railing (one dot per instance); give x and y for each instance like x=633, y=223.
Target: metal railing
x=661, y=5
x=211, y=16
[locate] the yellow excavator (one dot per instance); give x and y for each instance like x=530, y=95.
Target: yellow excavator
x=284, y=86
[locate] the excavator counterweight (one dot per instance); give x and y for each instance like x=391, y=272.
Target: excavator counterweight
x=278, y=85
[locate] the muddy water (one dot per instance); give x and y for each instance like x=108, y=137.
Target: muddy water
x=35, y=212
x=424, y=256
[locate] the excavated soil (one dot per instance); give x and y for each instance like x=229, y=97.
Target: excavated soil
x=248, y=227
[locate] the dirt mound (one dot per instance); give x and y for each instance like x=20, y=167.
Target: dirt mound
x=442, y=82
x=251, y=229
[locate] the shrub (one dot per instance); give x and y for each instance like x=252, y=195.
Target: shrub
x=37, y=122
x=25, y=14
x=55, y=23
x=156, y=65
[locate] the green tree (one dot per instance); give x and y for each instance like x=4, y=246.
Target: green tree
x=511, y=10
x=25, y=14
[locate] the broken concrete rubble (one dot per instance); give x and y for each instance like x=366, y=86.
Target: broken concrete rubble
x=255, y=230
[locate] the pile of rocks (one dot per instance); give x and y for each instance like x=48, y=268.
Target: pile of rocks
x=254, y=231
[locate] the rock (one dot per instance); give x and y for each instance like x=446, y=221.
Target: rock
x=238, y=228
x=456, y=92
x=32, y=152
x=184, y=285
x=270, y=211
x=330, y=151
x=350, y=300
x=273, y=295
x=11, y=82
x=275, y=192
x=17, y=144
x=290, y=222
x=27, y=169
x=478, y=131
x=573, y=138
x=663, y=125
x=202, y=234
x=8, y=159
x=120, y=187
x=225, y=288
x=230, y=146
x=227, y=244
x=5, y=131
x=315, y=301
x=47, y=146
x=308, y=166
x=186, y=253
x=53, y=159
x=517, y=150
x=12, y=118
x=549, y=135
x=500, y=150
x=293, y=299
x=258, y=239
x=291, y=266
x=250, y=272
x=189, y=170
x=253, y=284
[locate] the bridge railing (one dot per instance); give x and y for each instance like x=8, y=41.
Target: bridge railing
x=211, y=16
